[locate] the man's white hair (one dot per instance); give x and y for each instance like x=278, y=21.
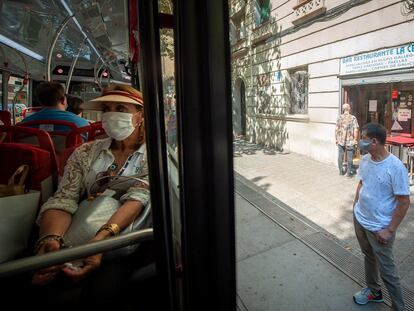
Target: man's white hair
x=346, y=107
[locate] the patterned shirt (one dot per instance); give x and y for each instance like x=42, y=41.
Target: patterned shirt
x=346, y=129
x=82, y=168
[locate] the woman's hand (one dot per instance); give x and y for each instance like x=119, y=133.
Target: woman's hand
x=45, y=276
x=91, y=263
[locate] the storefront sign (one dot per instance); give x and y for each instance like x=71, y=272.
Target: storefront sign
x=385, y=59
x=404, y=114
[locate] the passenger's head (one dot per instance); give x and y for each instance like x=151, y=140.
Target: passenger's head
x=51, y=95
x=346, y=108
x=374, y=132
x=373, y=137
x=74, y=104
x=123, y=111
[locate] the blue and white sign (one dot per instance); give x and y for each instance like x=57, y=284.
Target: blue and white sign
x=385, y=59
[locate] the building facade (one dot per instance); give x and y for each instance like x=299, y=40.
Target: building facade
x=295, y=62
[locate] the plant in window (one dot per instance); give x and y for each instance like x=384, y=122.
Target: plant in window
x=262, y=11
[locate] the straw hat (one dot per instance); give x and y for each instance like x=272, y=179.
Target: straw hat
x=115, y=97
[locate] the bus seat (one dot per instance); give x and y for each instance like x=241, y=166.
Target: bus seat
x=5, y=117
x=97, y=131
x=34, y=137
x=61, y=139
x=29, y=111
x=12, y=155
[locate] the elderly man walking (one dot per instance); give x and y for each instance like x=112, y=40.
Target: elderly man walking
x=346, y=135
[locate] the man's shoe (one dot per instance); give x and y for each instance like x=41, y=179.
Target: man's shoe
x=366, y=295
x=341, y=172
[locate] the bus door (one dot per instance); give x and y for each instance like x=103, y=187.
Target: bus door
x=185, y=78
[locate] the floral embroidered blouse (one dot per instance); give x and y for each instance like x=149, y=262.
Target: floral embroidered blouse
x=81, y=171
x=346, y=130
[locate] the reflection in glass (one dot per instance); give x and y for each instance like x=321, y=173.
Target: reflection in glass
x=170, y=118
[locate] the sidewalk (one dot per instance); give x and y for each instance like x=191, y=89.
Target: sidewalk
x=278, y=270
x=318, y=192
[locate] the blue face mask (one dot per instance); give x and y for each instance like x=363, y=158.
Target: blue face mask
x=364, y=145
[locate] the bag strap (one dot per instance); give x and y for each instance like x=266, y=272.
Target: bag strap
x=23, y=170
x=136, y=177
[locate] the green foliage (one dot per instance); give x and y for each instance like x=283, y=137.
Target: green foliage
x=166, y=36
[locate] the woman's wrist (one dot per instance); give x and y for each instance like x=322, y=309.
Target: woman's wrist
x=48, y=238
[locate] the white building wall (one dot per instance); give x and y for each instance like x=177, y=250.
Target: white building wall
x=371, y=26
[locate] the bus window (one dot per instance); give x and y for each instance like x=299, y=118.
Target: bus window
x=167, y=49
x=18, y=91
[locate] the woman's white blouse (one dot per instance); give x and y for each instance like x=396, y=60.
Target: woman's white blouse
x=82, y=167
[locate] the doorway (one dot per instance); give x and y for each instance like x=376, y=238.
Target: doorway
x=389, y=104
x=239, y=108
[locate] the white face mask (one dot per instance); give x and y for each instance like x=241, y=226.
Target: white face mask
x=118, y=125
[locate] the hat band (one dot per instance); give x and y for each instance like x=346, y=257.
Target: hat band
x=136, y=98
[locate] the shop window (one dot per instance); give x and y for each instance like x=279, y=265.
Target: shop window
x=17, y=92
x=262, y=11
x=297, y=81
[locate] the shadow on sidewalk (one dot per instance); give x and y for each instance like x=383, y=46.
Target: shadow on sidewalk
x=242, y=146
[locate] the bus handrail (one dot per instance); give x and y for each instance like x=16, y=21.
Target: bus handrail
x=42, y=261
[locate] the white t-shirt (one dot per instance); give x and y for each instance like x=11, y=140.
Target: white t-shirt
x=381, y=182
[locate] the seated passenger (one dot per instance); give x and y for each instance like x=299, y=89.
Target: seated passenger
x=52, y=98
x=122, y=154
x=74, y=104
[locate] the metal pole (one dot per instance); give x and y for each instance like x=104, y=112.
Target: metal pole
x=5, y=90
x=52, y=46
x=96, y=76
x=100, y=77
x=37, y=262
x=96, y=70
x=72, y=66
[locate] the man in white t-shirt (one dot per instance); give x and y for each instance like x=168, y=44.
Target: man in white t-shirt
x=381, y=202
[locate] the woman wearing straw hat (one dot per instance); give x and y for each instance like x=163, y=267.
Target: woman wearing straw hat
x=123, y=153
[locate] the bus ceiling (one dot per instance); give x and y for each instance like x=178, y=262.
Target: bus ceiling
x=50, y=33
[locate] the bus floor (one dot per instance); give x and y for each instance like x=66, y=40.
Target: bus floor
x=286, y=262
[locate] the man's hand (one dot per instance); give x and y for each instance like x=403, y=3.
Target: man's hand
x=384, y=235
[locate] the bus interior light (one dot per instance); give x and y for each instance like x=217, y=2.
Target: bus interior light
x=20, y=48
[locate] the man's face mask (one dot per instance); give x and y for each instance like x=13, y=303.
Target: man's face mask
x=364, y=145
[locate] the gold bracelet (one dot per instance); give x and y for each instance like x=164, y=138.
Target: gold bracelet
x=49, y=237
x=113, y=229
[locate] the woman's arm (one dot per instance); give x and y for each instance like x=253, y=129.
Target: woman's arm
x=54, y=222
x=66, y=198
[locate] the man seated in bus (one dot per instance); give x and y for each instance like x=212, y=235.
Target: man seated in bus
x=74, y=104
x=52, y=98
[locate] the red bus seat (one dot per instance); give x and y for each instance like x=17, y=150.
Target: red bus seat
x=36, y=138
x=97, y=131
x=12, y=155
x=61, y=139
x=5, y=117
